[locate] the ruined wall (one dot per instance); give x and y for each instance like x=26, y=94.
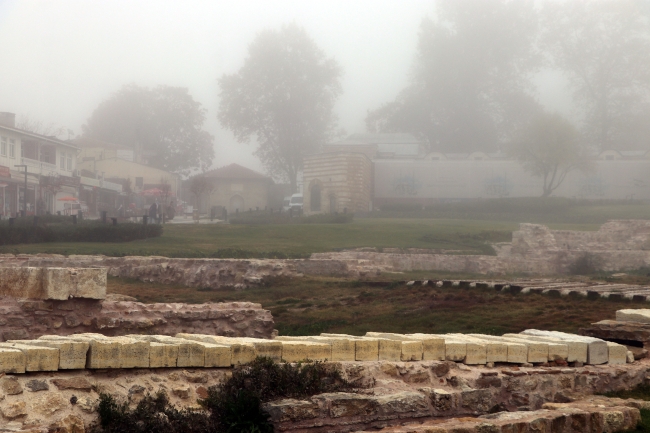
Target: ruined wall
x=208, y=273
x=535, y=249
x=26, y=319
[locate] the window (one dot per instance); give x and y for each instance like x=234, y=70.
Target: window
x=12, y=148
x=69, y=162
x=62, y=161
x=3, y=146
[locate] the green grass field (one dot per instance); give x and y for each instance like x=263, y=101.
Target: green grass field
x=301, y=240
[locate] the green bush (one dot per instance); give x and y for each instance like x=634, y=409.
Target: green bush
x=91, y=231
x=232, y=407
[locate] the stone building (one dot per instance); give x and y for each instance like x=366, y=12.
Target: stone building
x=237, y=188
x=337, y=181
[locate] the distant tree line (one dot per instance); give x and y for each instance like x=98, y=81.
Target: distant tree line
x=471, y=88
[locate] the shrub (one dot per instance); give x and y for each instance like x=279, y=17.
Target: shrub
x=235, y=406
x=91, y=231
x=586, y=264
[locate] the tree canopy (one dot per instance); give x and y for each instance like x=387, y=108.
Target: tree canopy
x=283, y=97
x=604, y=48
x=550, y=147
x=468, y=88
x=164, y=122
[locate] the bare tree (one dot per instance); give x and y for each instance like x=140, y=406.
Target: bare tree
x=27, y=123
x=550, y=148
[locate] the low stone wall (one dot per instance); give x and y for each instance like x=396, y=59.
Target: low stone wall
x=208, y=273
x=23, y=319
x=399, y=393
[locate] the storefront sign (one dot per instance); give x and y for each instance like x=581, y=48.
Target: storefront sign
x=4, y=171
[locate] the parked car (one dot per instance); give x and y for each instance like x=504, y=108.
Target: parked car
x=296, y=203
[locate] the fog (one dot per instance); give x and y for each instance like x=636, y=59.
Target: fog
x=62, y=58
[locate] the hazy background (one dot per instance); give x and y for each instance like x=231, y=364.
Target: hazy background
x=61, y=58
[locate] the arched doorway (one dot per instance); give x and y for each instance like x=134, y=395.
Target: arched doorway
x=314, y=200
x=236, y=204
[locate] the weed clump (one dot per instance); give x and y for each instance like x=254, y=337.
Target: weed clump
x=235, y=406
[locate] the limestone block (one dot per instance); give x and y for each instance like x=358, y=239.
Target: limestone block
x=72, y=354
x=364, y=350
x=37, y=358
x=496, y=351
x=190, y=353
x=11, y=360
x=65, y=283
x=133, y=353
x=535, y=351
x=240, y=352
x=388, y=350
x=261, y=347
x=617, y=353
x=476, y=351
x=22, y=282
x=342, y=349
x=641, y=315
x=597, y=352
x=296, y=351
x=102, y=353
x=162, y=355
x=410, y=351
x=576, y=350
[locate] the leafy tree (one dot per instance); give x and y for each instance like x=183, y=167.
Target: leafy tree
x=604, y=48
x=200, y=186
x=163, y=123
x=283, y=97
x=37, y=126
x=550, y=147
x=468, y=88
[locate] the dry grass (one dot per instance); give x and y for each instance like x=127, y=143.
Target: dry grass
x=313, y=305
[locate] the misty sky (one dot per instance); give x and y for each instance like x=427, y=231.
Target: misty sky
x=61, y=58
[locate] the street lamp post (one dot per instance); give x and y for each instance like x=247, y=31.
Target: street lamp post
x=25, y=192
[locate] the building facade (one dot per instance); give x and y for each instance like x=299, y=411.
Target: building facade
x=36, y=171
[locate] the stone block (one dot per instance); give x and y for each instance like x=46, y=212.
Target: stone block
x=576, y=350
x=476, y=351
x=641, y=315
x=102, y=353
x=261, y=347
x=72, y=354
x=53, y=283
x=12, y=361
x=388, y=350
x=364, y=350
x=37, y=358
x=295, y=351
x=342, y=349
x=132, y=353
x=496, y=351
x=65, y=283
x=597, y=351
x=413, y=349
x=162, y=355
x=452, y=350
x=190, y=353
x=536, y=351
x=617, y=353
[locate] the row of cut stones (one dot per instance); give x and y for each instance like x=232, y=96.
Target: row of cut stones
x=96, y=351
x=613, y=291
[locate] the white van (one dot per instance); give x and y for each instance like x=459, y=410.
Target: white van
x=296, y=202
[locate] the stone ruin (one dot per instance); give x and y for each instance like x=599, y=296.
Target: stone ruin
x=535, y=381
x=62, y=301
x=535, y=249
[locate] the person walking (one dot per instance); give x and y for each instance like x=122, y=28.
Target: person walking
x=153, y=212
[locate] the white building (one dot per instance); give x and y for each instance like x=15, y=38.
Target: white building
x=51, y=167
